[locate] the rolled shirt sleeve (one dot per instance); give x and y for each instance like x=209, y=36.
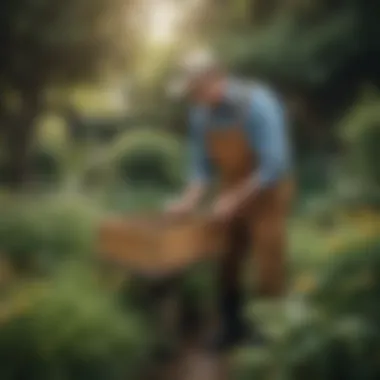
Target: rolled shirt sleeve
x=266, y=126
x=199, y=163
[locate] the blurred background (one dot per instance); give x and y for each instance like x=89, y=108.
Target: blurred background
x=86, y=129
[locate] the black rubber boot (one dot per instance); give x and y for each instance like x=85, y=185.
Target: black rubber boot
x=234, y=330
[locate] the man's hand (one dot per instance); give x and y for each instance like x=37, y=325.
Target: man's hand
x=179, y=207
x=188, y=202
x=226, y=207
x=230, y=203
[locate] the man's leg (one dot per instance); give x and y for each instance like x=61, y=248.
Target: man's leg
x=231, y=292
x=269, y=233
x=270, y=250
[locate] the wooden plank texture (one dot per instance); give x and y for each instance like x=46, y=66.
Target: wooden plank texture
x=156, y=245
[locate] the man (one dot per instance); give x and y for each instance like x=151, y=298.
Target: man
x=238, y=136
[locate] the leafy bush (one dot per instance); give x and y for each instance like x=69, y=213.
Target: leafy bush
x=358, y=170
x=69, y=329
x=46, y=230
x=352, y=283
x=342, y=340
x=332, y=330
x=338, y=349
x=3, y=173
x=46, y=165
x=148, y=158
x=49, y=149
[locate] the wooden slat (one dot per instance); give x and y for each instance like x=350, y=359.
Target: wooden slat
x=158, y=245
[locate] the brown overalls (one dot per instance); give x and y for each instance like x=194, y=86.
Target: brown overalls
x=261, y=224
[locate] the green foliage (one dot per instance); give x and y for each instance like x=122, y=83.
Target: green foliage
x=40, y=232
x=312, y=174
x=148, y=158
x=300, y=53
x=317, y=51
x=46, y=165
x=3, y=169
x=71, y=329
x=64, y=40
x=360, y=132
x=306, y=50
x=352, y=284
x=331, y=350
x=343, y=337
x=49, y=149
x=357, y=175
x=44, y=44
x=330, y=326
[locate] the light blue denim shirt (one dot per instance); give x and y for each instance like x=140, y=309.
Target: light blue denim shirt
x=262, y=115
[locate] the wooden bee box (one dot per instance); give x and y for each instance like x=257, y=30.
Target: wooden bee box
x=157, y=245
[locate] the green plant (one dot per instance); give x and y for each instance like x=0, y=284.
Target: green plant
x=46, y=165
x=352, y=283
x=358, y=168
x=69, y=329
x=343, y=341
x=49, y=149
x=44, y=231
x=148, y=158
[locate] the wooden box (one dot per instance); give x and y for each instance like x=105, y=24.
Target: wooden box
x=157, y=245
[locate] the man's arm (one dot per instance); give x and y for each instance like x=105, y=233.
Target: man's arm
x=199, y=165
x=266, y=133
x=199, y=173
x=266, y=128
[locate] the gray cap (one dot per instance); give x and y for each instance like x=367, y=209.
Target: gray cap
x=193, y=65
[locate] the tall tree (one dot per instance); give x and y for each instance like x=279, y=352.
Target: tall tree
x=45, y=43
x=323, y=49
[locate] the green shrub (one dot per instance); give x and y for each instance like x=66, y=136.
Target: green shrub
x=148, y=158
x=359, y=167
x=332, y=349
x=43, y=231
x=333, y=330
x=50, y=149
x=343, y=340
x=3, y=173
x=369, y=145
x=46, y=165
x=71, y=329
x=351, y=285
